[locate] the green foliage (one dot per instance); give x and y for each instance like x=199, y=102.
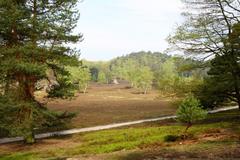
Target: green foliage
x=64, y=89
x=168, y=76
x=109, y=141
x=102, y=78
x=22, y=156
x=179, y=76
x=209, y=94
x=94, y=74
x=38, y=118
x=33, y=42
x=223, y=82
x=212, y=30
x=143, y=78
x=190, y=111
x=171, y=138
x=96, y=68
x=80, y=77
x=123, y=67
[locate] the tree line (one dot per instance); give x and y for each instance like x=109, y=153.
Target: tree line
x=144, y=70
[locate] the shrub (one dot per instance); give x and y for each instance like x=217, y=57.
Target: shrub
x=190, y=111
x=171, y=138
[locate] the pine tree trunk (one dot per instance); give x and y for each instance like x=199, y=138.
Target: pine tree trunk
x=238, y=100
x=185, y=132
x=237, y=90
x=26, y=95
x=7, y=88
x=29, y=137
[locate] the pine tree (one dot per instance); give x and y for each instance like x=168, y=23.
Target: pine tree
x=211, y=30
x=190, y=111
x=33, y=38
x=223, y=82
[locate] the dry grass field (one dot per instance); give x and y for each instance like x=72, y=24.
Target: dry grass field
x=106, y=104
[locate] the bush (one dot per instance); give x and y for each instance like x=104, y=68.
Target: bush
x=190, y=111
x=171, y=138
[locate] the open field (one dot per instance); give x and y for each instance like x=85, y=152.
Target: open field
x=106, y=104
x=210, y=139
x=216, y=137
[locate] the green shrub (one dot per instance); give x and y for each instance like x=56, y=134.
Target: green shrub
x=171, y=138
x=190, y=111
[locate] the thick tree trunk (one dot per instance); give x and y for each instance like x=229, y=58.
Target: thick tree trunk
x=29, y=136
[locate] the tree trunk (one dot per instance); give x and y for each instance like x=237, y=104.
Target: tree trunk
x=145, y=91
x=238, y=101
x=85, y=89
x=29, y=137
x=7, y=87
x=185, y=132
x=26, y=96
x=115, y=81
x=236, y=87
x=237, y=90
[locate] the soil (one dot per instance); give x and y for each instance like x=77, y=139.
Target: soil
x=107, y=104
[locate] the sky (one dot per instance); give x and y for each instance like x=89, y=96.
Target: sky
x=113, y=28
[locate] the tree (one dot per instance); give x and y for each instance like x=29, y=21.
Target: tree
x=123, y=67
x=210, y=31
x=143, y=79
x=102, y=77
x=168, y=76
x=99, y=66
x=32, y=41
x=190, y=111
x=80, y=76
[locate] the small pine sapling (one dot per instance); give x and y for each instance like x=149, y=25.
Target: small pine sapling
x=190, y=111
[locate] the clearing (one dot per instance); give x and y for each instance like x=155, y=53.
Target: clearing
x=107, y=104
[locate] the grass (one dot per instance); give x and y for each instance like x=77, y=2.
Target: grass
x=109, y=141
x=21, y=156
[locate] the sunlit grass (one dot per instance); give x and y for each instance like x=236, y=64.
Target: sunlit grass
x=108, y=141
x=21, y=156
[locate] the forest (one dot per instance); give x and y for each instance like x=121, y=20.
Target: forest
x=141, y=105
